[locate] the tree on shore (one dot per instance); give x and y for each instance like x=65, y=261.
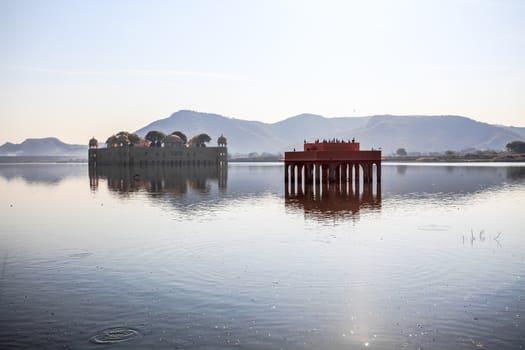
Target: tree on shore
x=401, y=152
x=111, y=141
x=122, y=139
x=516, y=147
x=155, y=137
x=181, y=135
x=133, y=139
x=200, y=140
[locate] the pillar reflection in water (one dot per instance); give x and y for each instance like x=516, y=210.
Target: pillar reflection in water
x=329, y=192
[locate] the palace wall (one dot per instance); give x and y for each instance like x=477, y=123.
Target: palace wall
x=332, y=146
x=153, y=156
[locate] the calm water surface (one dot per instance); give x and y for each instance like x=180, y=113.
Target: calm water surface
x=163, y=259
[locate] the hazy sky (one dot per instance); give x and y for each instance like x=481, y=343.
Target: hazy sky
x=76, y=69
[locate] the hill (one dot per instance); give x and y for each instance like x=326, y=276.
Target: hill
x=414, y=133
x=241, y=134
x=49, y=146
x=433, y=134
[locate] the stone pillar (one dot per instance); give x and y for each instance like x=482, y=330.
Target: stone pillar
x=325, y=173
x=357, y=186
x=317, y=174
x=351, y=186
x=292, y=177
x=332, y=174
x=337, y=184
x=286, y=189
x=317, y=190
x=342, y=173
x=308, y=172
x=300, y=176
x=299, y=181
x=366, y=173
x=344, y=178
x=378, y=172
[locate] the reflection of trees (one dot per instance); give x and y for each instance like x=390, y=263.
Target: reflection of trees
x=158, y=180
x=516, y=173
x=401, y=169
x=331, y=202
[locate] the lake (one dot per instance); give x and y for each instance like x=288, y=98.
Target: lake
x=183, y=259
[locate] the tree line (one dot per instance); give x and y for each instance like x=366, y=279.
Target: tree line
x=155, y=138
x=516, y=147
x=512, y=147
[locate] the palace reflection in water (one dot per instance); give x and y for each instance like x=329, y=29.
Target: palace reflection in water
x=323, y=200
x=329, y=200
x=175, y=180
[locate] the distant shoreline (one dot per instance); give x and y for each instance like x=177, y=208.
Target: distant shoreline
x=518, y=158
x=415, y=159
x=459, y=159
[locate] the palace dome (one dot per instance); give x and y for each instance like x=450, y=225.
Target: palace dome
x=221, y=141
x=93, y=143
x=173, y=141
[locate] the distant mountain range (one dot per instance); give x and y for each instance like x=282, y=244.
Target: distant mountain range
x=49, y=146
x=414, y=133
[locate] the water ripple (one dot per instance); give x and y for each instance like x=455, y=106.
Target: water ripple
x=114, y=335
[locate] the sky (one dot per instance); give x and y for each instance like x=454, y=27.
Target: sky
x=77, y=69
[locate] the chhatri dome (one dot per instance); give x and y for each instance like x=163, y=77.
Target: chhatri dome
x=221, y=141
x=93, y=143
x=173, y=141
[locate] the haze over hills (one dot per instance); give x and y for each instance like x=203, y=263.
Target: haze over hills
x=49, y=146
x=517, y=130
x=414, y=133
x=433, y=134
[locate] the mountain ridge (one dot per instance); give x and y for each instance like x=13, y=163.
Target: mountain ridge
x=415, y=133
x=46, y=146
x=421, y=133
